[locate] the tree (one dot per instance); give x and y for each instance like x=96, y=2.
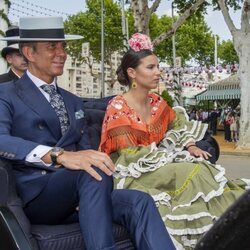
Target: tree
x=241, y=41
x=227, y=53
x=167, y=97
x=194, y=40
x=88, y=24
x=142, y=14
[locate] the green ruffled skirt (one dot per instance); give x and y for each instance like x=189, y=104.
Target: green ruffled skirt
x=190, y=193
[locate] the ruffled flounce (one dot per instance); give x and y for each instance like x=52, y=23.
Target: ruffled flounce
x=190, y=193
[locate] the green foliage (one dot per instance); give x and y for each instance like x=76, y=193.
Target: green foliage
x=182, y=5
x=167, y=97
x=88, y=24
x=157, y=25
x=227, y=53
x=5, y=17
x=193, y=40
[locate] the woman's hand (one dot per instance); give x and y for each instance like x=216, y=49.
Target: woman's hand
x=197, y=152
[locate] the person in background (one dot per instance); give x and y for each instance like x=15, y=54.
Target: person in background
x=43, y=132
x=154, y=149
x=16, y=62
x=233, y=126
x=213, y=121
x=227, y=123
x=192, y=115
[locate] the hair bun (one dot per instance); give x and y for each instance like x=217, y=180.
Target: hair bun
x=121, y=77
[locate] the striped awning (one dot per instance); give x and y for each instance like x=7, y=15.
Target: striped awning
x=224, y=94
x=226, y=89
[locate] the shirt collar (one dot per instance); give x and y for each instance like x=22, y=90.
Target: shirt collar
x=38, y=82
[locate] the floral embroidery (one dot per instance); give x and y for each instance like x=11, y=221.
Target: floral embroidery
x=119, y=102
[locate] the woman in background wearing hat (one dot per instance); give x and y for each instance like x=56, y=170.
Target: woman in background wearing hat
x=13, y=57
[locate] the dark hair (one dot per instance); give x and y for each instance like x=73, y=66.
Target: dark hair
x=131, y=59
x=26, y=44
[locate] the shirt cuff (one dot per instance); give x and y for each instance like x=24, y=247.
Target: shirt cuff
x=36, y=154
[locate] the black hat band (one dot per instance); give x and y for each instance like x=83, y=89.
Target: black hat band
x=42, y=33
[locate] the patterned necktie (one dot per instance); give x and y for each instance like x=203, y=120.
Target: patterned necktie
x=58, y=105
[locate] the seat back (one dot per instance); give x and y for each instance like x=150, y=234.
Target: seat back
x=13, y=222
x=12, y=218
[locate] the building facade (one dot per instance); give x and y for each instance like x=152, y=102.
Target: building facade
x=84, y=78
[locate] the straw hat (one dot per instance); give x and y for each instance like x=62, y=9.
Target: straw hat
x=12, y=46
x=41, y=29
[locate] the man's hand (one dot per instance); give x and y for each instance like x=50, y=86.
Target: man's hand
x=85, y=160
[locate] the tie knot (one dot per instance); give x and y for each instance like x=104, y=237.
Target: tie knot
x=49, y=88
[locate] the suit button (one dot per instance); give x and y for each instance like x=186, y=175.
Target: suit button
x=81, y=131
x=44, y=172
x=40, y=126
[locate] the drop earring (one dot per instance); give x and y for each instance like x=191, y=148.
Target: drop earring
x=134, y=84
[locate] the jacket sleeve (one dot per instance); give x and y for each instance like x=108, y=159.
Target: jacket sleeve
x=11, y=147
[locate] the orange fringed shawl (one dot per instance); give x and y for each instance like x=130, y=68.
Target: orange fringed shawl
x=122, y=126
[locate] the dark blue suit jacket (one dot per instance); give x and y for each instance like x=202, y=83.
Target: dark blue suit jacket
x=28, y=120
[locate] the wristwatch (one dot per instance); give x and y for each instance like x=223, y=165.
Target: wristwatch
x=54, y=153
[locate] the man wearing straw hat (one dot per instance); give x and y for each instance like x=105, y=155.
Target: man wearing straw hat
x=43, y=132
x=13, y=57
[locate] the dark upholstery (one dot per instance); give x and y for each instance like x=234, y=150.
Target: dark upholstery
x=209, y=144
x=16, y=232
x=53, y=237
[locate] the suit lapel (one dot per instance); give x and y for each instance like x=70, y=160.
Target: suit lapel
x=32, y=97
x=12, y=75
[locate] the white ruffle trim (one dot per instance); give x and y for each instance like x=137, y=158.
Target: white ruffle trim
x=185, y=241
x=220, y=178
x=190, y=231
x=188, y=243
x=247, y=181
x=120, y=184
x=148, y=163
x=177, y=245
x=188, y=217
x=158, y=159
x=180, y=138
x=162, y=198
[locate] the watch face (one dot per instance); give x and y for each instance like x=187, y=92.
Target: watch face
x=55, y=152
x=56, y=149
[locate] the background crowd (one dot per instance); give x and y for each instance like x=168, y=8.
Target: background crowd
x=226, y=119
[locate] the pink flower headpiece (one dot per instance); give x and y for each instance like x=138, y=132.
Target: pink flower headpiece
x=139, y=42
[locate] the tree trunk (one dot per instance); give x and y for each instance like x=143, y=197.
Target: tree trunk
x=241, y=39
x=242, y=46
x=142, y=14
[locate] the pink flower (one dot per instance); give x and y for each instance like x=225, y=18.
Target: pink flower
x=139, y=42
